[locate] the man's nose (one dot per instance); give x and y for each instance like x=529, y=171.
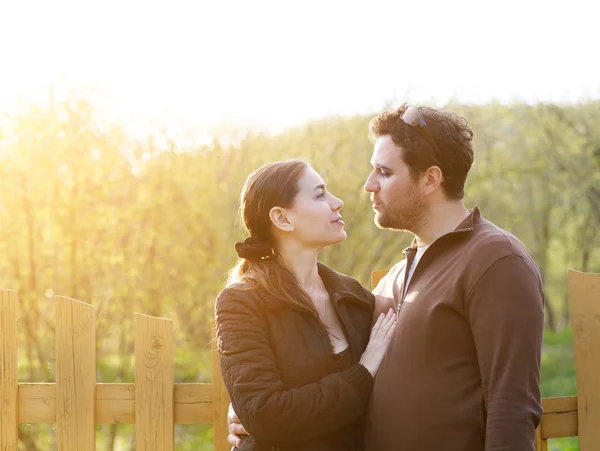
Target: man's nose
x=371, y=186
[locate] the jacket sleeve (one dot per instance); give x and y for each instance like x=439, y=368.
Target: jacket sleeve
x=269, y=412
x=505, y=310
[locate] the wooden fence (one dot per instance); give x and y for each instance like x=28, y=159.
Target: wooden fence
x=76, y=403
x=154, y=403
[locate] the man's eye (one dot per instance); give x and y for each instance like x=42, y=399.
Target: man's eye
x=383, y=173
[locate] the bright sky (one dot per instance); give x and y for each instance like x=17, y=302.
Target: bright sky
x=274, y=64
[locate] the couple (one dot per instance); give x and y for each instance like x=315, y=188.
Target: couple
x=443, y=355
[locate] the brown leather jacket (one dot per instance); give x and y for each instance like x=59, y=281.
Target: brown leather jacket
x=286, y=386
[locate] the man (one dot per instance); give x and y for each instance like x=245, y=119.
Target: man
x=463, y=370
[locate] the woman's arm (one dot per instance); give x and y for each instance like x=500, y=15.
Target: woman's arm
x=269, y=412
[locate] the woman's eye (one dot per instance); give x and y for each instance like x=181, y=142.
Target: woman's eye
x=321, y=196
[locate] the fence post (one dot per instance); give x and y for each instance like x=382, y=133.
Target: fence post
x=541, y=444
x=9, y=426
x=220, y=399
x=75, y=375
x=376, y=276
x=584, y=296
x=154, y=384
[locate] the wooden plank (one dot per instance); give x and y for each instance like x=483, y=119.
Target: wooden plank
x=560, y=417
x=75, y=375
x=9, y=422
x=541, y=444
x=376, y=276
x=115, y=403
x=193, y=403
x=37, y=403
x=584, y=296
x=154, y=384
x=220, y=400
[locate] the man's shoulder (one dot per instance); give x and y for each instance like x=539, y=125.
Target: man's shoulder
x=494, y=242
x=386, y=283
x=491, y=244
x=395, y=270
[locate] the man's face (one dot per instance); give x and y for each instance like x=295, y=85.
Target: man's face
x=398, y=200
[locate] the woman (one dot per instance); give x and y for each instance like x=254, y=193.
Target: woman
x=296, y=348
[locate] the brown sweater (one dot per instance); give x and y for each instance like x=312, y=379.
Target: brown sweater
x=462, y=373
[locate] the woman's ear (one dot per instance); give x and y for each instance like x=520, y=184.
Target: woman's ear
x=280, y=219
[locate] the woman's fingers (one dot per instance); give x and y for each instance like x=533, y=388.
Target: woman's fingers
x=390, y=317
x=377, y=325
x=388, y=320
x=382, y=326
x=234, y=440
x=390, y=331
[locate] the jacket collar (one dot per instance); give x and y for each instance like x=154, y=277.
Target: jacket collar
x=469, y=223
x=465, y=227
x=341, y=288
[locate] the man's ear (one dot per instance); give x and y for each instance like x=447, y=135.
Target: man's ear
x=280, y=219
x=433, y=178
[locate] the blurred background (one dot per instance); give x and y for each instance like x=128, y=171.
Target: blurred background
x=127, y=129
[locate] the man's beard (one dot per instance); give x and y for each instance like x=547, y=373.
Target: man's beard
x=406, y=215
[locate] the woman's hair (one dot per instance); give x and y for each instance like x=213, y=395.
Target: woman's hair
x=272, y=185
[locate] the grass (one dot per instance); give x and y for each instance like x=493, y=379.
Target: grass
x=558, y=377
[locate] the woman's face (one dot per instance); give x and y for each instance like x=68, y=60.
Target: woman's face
x=315, y=213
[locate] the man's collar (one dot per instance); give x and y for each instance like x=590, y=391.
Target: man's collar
x=466, y=226
x=470, y=221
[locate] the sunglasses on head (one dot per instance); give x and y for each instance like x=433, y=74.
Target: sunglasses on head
x=412, y=116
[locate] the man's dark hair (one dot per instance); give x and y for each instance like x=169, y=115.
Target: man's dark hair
x=452, y=135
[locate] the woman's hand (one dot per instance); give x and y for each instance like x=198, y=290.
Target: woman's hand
x=235, y=428
x=381, y=337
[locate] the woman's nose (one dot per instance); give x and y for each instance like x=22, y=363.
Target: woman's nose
x=337, y=204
